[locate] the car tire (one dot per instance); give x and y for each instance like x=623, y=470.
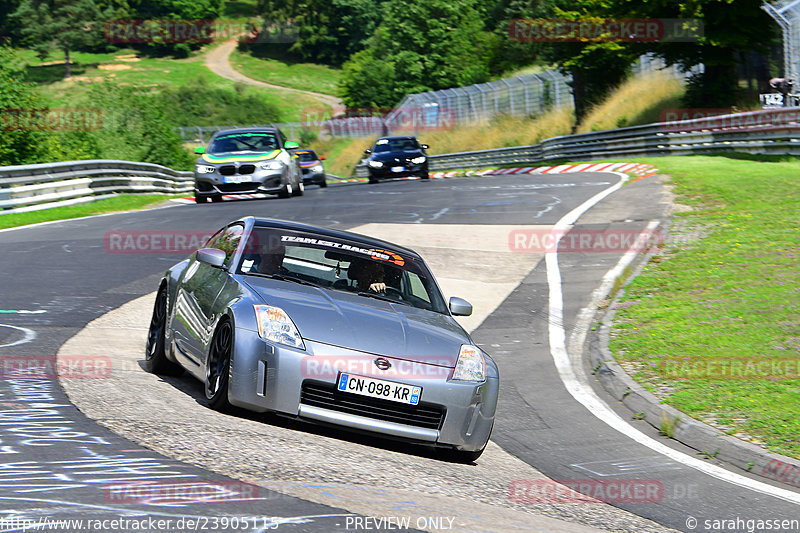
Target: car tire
x=459, y=456
x=323, y=184
x=425, y=176
x=299, y=190
x=218, y=367
x=216, y=198
x=155, y=360
x=286, y=191
x=373, y=180
x=200, y=198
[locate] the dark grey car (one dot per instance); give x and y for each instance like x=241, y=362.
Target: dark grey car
x=326, y=326
x=247, y=160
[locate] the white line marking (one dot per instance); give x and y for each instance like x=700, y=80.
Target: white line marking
x=577, y=384
x=28, y=336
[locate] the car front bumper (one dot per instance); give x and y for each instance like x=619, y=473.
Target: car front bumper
x=260, y=181
x=386, y=172
x=270, y=377
x=310, y=177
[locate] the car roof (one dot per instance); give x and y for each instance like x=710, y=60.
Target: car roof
x=335, y=234
x=264, y=129
x=397, y=138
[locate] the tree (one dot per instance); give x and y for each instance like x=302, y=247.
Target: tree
x=368, y=82
x=328, y=31
x=7, y=7
x=728, y=27
x=47, y=25
x=421, y=45
x=18, y=144
x=596, y=63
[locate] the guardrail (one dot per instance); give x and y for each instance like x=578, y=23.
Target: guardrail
x=774, y=131
x=42, y=186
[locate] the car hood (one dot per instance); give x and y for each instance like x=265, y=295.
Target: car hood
x=365, y=324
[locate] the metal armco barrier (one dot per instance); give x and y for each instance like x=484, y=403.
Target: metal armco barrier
x=773, y=131
x=42, y=186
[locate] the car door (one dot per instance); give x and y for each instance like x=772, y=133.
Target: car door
x=195, y=316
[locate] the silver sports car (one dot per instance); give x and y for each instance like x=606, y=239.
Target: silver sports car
x=326, y=326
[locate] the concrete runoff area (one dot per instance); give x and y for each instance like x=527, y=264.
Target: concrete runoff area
x=368, y=476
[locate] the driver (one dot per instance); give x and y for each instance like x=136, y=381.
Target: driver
x=368, y=275
x=270, y=260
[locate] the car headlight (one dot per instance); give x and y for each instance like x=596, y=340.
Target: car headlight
x=418, y=160
x=470, y=365
x=276, y=326
x=375, y=164
x=271, y=165
x=204, y=169
x=317, y=168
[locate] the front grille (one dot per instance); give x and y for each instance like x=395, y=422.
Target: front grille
x=238, y=187
x=247, y=169
x=424, y=415
x=227, y=170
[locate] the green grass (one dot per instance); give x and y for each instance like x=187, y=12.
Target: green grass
x=124, y=202
x=287, y=73
x=152, y=72
x=730, y=293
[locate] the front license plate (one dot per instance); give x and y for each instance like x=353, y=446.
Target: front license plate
x=379, y=388
x=235, y=179
x=398, y=169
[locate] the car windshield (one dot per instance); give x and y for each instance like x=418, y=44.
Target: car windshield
x=256, y=142
x=395, y=145
x=340, y=265
x=306, y=156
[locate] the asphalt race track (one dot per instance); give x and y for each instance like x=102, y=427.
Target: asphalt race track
x=268, y=472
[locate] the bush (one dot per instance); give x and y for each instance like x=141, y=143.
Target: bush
x=198, y=104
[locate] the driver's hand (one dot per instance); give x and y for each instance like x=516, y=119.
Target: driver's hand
x=378, y=287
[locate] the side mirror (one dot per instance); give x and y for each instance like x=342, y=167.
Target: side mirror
x=322, y=158
x=290, y=145
x=199, y=150
x=424, y=146
x=367, y=151
x=211, y=256
x=460, y=307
